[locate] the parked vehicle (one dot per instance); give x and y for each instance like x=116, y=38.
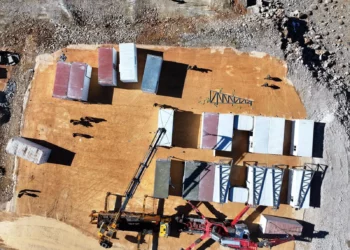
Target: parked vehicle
x=9, y=58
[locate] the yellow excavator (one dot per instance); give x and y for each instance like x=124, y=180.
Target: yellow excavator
x=109, y=222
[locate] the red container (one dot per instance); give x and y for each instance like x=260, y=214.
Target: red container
x=210, y=122
x=79, y=81
x=107, y=63
x=61, y=80
x=277, y=225
x=206, y=183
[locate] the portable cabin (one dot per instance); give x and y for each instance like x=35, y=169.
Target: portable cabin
x=302, y=138
x=299, y=188
x=151, y=74
x=79, y=81
x=107, y=66
x=28, y=150
x=60, y=87
x=128, y=62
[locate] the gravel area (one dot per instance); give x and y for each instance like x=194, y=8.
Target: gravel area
x=311, y=35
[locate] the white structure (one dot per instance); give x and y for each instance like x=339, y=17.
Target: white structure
x=302, y=138
x=166, y=120
x=221, y=183
x=225, y=132
x=264, y=185
x=238, y=194
x=244, y=122
x=268, y=135
x=299, y=186
x=28, y=150
x=128, y=62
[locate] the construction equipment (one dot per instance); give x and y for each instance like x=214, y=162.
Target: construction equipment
x=108, y=228
x=228, y=234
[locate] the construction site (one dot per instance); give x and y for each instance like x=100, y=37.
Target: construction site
x=133, y=146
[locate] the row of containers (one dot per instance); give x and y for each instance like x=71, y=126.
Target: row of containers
x=72, y=80
x=267, y=134
x=210, y=182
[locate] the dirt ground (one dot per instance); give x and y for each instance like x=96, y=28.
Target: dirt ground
x=82, y=170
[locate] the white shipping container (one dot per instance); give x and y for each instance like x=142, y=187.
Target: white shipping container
x=28, y=150
x=221, y=183
x=128, y=62
x=294, y=185
x=302, y=138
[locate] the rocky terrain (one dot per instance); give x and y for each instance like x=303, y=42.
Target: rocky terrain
x=311, y=35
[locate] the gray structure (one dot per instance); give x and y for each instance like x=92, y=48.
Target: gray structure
x=28, y=150
x=162, y=178
x=151, y=74
x=191, y=178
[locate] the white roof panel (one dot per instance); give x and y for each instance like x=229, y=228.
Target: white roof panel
x=128, y=62
x=303, y=136
x=238, y=194
x=166, y=120
x=225, y=132
x=221, y=183
x=244, y=122
x=276, y=135
x=261, y=134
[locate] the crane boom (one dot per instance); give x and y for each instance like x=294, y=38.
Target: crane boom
x=129, y=193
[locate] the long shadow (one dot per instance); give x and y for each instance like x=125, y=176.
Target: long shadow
x=58, y=154
x=99, y=94
x=3, y=73
x=238, y=176
x=176, y=175
x=172, y=79
x=318, y=144
x=141, y=63
x=186, y=129
x=240, y=143
x=316, y=186
x=191, y=181
x=250, y=222
x=207, y=244
x=284, y=188
x=220, y=216
x=224, y=141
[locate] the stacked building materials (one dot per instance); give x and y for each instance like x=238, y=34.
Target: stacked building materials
x=61, y=80
x=244, y=122
x=162, y=178
x=264, y=185
x=302, y=138
x=217, y=131
x=128, y=62
x=79, y=81
x=166, y=120
x=238, y=194
x=28, y=150
x=151, y=74
x=107, y=66
x=268, y=135
x=277, y=225
x=299, y=188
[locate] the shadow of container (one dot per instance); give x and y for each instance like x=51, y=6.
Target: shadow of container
x=317, y=148
x=99, y=94
x=186, y=129
x=172, y=79
x=58, y=154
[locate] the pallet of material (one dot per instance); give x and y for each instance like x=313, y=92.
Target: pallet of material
x=28, y=150
x=79, y=81
x=279, y=226
x=162, y=178
x=61, y=80
x=107, y=66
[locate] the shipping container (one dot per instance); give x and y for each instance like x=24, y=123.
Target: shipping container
x=302, y=138
x=191, y=179
x=221, y=183
x=296, y=198
x=166, y=120
x=244, y=122
x=279, y=226
x=238, y=194
x=268, y=135
x=162, y=178
x=225, y=132
x=206, y=183
x=264, y=185
x=128, y=62
x=28, y=150
x=151, y=74
x=79, y=81
x=107, y=66
x=61, y=80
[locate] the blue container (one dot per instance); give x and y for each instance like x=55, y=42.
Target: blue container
x=151, y=74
